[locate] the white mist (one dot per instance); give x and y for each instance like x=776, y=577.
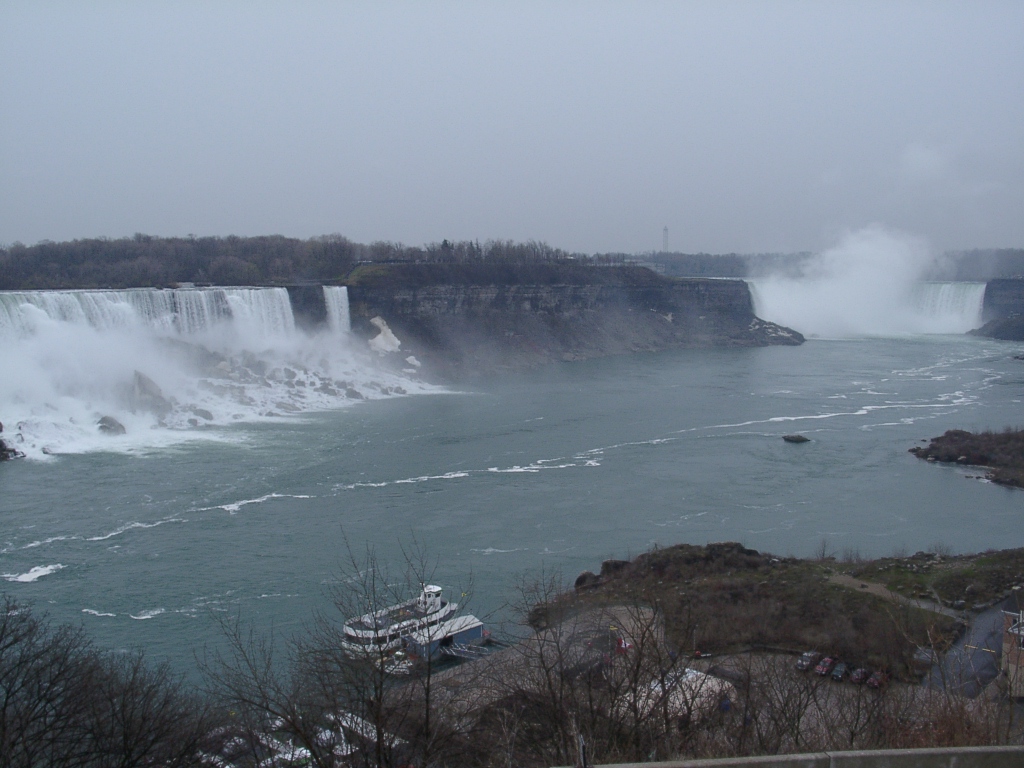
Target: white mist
x=216, y=357
x=871, y=284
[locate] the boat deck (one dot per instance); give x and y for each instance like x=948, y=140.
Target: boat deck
x=396, y=615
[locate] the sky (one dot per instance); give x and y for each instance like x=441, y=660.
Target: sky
x=740, y=126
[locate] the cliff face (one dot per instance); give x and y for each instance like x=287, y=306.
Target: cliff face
x=1003, y=298
x=1003, y=310
x=465, y=326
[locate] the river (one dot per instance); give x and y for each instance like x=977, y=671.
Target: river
x=146, y=541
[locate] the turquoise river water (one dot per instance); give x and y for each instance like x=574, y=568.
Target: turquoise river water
x=553, y=469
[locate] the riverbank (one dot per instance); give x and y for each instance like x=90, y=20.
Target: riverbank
x=682, y=651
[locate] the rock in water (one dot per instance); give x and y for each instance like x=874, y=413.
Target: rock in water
x=147, y=396
x=110, y=426
x=796, y=439
x=7, y=452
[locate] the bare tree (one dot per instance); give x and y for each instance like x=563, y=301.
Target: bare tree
x=331, y=695
x=63, y=703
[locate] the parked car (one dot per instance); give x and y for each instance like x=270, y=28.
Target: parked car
x=878, y=679
x=825, y=665
x=840, y=671
x=807, y=660
x=859, y=675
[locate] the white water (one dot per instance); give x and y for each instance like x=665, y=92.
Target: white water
x=336, y=300
x=170, y=365
x=872, y=284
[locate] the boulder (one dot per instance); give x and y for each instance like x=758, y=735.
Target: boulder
x=7, y=452
x=608, y=567
x=586, y=580
x=146, y=395
x=108, y=425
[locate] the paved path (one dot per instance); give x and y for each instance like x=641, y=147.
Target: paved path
x=973, y=661
x=880, y=590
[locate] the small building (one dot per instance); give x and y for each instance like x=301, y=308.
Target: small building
x=1012, y=664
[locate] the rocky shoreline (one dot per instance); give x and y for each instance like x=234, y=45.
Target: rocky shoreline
x=1001, y=453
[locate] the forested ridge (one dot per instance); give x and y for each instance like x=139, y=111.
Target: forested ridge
x=147, y=261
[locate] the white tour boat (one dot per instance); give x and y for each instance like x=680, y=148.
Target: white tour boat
x=385, y=630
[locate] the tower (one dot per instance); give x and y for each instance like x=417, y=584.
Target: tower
x=664, y=240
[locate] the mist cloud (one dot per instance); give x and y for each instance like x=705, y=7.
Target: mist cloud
x=872, y=283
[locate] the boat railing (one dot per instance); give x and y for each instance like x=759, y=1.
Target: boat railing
x=463, y=651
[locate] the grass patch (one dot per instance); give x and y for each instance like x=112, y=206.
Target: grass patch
x=724, y=598
x=959, y=581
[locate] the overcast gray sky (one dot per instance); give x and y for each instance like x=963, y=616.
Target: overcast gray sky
x=741, y=126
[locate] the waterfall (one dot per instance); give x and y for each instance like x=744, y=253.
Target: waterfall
x=336, y=300
x=838, y=309
x=187, y=311
x=872, y=283
x=953, y=306
x=171, y=365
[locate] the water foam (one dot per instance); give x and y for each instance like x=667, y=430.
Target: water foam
x=172, y=365
x=148, y=614
x=234, y=506
x=33, y=574
x=132, y=526
x=871, y=284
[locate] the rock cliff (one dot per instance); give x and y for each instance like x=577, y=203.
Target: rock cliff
x=467, y=320
x=1003, y=310
x=1003, y=298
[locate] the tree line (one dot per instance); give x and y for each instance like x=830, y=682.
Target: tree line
x=147, y=261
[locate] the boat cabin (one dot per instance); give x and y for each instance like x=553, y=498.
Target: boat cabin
x=430, y=642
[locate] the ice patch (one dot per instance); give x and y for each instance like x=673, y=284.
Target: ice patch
x=33, y=574
x=385, y=341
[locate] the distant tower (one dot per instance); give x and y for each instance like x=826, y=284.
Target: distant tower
x=664, y=240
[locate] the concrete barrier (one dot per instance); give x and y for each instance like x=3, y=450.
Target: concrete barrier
x=942, y=757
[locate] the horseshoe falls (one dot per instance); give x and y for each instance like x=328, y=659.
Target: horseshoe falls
x=839, y=309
